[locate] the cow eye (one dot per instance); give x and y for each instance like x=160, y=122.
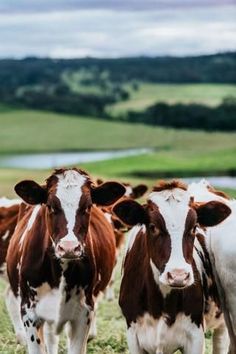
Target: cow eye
x=86, y=210
x=154, y=230
x=53, y=209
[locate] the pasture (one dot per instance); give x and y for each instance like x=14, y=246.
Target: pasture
x=176, y=152
x=149, y=94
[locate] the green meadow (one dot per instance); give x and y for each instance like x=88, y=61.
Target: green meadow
x=149, y=94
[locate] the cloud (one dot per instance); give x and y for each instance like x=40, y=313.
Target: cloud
x=105, y=33
x=16, y=6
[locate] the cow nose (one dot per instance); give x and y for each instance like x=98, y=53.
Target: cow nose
x=69, y=249
x=178, y=278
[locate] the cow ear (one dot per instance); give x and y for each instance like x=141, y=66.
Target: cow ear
x=212, y=213
x=99, y=181
x=139, y=191
x=107, y=193
x=31, y=192
x=130, y=212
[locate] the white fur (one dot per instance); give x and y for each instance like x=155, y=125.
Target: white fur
x=13, y=307
x=69, y=192
x=128, y=191
x=6, y=235
x=221, y=243
x=30, y=223
x=132, y=236
x=155, y=336
x=174, y=207
x=5, y=202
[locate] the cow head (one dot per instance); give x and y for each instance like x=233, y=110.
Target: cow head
x=69, y=195
x=130, y=191
x=171, y=218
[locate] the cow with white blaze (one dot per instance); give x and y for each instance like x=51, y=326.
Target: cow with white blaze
x=168, y=294
x=221, y=243
x=61, y=257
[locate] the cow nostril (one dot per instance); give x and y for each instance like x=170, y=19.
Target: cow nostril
x=169, y=275
x=187, y=276
x=77, y=248
x=60, y=248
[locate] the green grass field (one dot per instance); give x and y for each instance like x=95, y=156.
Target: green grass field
x=177, y=152
x=149, y=94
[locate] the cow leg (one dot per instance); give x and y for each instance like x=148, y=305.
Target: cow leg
x=13, y=308
x=93, y=325
x=78, y=332
x=220, y=340
x=109, y=292
x=31, y=324
x=50, y=338
x=196, y=342
x=134, y=347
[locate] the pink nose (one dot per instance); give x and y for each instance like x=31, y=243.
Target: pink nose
x=69, y=249
x=178, y=278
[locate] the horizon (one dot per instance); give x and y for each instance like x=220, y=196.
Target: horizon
x=120, y=58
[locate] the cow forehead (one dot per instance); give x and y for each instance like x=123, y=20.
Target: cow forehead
x=174, y=207
x=69, y=188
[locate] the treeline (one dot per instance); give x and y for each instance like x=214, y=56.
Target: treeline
x=217, y=68
x=190, y=116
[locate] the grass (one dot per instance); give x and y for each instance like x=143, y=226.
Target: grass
x=149, y=94
x=34, y=131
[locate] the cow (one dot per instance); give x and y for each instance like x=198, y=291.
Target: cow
x=61, y=257
x=9, y=209
x=221, y=243
x=133, y=192
x=168, y=295
x=119, y=228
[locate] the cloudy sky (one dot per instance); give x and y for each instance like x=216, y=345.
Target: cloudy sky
x=115, y=28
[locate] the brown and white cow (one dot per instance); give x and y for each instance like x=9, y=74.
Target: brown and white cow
x=9, y=209
x=119, y=228
x=168, y=290
x=221, y=243
x=61, y=256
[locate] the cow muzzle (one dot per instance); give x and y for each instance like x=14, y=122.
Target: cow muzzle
x=69, y=249
x=179, y=278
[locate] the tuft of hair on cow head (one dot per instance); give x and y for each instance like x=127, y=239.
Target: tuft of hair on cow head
x=31, y=192
x=130, y=212
x=211, y=213
x=107, y=193
x=139, y=190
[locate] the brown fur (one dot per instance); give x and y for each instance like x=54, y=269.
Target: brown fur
x=163, y=185
x=8, y=220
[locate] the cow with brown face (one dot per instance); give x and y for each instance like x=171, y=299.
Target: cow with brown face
x=61, y=256
x=165, y=281
x=119, y=228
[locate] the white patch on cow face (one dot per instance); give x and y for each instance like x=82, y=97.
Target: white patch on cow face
x=128, y=191
x=174, y=207
x=31, y=221
x=69, y=192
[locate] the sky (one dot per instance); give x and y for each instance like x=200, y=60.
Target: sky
x=116, y=28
